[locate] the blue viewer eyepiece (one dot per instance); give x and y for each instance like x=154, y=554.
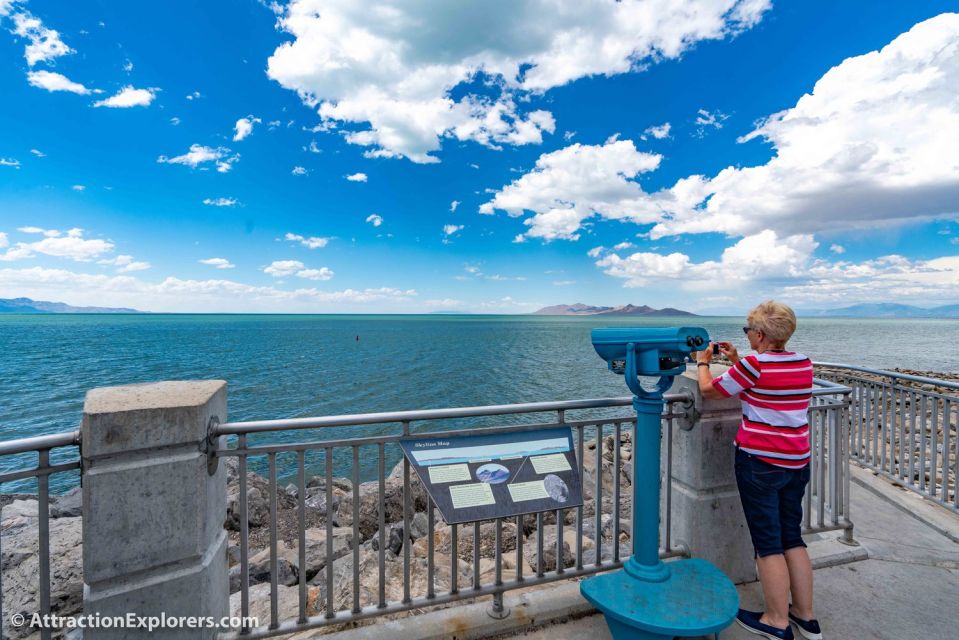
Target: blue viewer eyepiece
x=648, y=351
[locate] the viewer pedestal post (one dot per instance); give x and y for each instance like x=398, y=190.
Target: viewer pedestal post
x=706, y=512
x=153, y=512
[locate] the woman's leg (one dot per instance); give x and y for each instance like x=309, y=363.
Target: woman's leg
x=800, y=581
x=774, y=574
x=796, y=556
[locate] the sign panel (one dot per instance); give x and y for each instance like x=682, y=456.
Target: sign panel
x=497, y=475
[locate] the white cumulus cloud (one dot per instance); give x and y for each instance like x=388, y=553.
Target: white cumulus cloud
x=219, y=263
x=311, y=242
x=55, y=82
x=873, y=143
x=126, y=264
x=199, y=155
x=220, y=202
x=10, y=162
x=299, y=171
x=357, y=177
x=323, y=273
x=244, y=127
x=72, y=246
x=763, y=256
x=706, y=120
x=175, y=294
x=393, y=68
x=659, y=131
x=128, y=97
x=43, y=44
x=283, y=268
x=575, y=183
x=374, y=219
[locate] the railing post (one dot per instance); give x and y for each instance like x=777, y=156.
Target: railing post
x=153, y=509
x=706, y=513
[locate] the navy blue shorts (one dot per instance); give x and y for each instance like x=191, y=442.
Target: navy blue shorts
x=772, y=501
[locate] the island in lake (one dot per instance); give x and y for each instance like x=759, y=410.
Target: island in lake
x=580, y=309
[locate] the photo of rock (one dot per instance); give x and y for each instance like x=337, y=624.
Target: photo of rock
x=556, y=488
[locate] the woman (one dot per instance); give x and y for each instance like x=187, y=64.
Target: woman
x=772, y=464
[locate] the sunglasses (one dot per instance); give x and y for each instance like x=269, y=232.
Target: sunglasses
x=746, y=330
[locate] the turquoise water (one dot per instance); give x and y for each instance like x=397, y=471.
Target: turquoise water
x=292, y=366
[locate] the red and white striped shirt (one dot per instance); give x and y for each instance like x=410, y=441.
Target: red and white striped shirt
x=775, y=388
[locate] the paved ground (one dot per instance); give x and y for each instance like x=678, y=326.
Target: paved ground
x=908, y=589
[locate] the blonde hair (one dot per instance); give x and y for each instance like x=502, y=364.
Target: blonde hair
x=774, y=319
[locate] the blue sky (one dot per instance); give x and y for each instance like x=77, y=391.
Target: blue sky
x=318, y=156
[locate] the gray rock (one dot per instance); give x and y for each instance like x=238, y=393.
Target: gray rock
x=232, y=466
x=394, y=539
x=316, y=548
x=368, y=571
x=286, y=569
x=530, y=551
x=20, y=509
x=69, y=505
x=319, y=482
x=316, y=499
x=233, y=554
x=257, y=504
x=392, y=498
x=419, y=525
x=487, y=540
x=19, y=565
x=288, y=603
x=291, y=490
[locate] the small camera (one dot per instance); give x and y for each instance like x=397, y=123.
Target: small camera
x=716, y=351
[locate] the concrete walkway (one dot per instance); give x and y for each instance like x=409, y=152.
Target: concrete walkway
x=902, y=585
x=907, y=589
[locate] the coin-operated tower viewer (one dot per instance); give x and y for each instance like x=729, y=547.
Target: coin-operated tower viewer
x=650, y=599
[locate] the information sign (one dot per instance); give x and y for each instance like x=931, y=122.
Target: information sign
x=497, y=475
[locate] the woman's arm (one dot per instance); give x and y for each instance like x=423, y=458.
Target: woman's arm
x=706, y=387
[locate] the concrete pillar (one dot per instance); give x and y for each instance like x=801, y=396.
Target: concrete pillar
x=706, y=512
x=153, y=537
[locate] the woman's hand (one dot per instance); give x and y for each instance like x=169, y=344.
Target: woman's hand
x=729, y=350
x=706, y=355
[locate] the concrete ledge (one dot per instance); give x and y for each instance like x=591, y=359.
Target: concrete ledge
x=528, y=610
x=829, y=552
x=925, y=511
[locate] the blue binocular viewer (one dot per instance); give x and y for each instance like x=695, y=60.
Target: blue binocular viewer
x=647, y=351
x=650, y=600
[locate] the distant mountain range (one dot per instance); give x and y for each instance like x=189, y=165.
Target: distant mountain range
x=886, y=310
x=580, y=309
x=26, y=305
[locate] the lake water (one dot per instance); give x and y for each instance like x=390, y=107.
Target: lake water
x=292, y=366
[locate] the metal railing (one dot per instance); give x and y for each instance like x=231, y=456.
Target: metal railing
x=826, y=503
x=903, y=427
x=41, y=469
x=600, y=433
